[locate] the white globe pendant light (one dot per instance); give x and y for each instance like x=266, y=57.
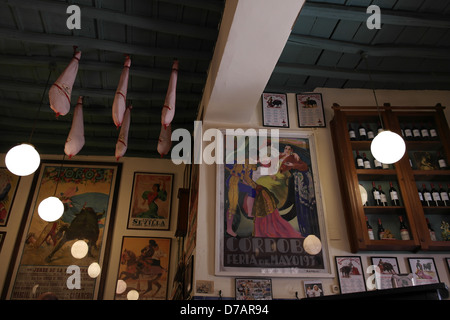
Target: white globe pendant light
x=22, y=160
x=388, y=147
x=51, y=209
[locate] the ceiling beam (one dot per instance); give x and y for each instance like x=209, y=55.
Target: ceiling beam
x=339, y=73
x=369, y=50
x=89, y=65
x=393, y=17
x=146, y=23
x=87, y=44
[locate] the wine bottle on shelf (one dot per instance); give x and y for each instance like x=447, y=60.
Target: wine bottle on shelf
x=424, y=132
x=376, y=195
x=436, y=196
x=362, y=132
x=394, y=195
x=422, y=200
x=366, y=162
x=408, y=133
x=431, y=231
x=433, y=132
x=441, y=161
x=380, y=230
x=427, y=198
x=402, y=131
x=379, y=128
x=448, y=189
x=383, y=197
x=444, y=196
x=385, y=166
x=370, y=134
x=404, y=233
x=416, y=132
x=351, y=132
x=369, y=230
x=377, y=164
x=359, y=161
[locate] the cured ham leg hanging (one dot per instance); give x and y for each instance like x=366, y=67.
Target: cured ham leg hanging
x=122, y=141
x=61, y=91
x=75, y=140
x=118, y=108
x=168, y=111
x=165, y=140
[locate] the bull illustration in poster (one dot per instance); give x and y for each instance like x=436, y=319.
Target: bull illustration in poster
x=266, y=218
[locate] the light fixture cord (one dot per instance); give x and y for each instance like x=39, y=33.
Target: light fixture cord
x=41, y=103
x=364, y=56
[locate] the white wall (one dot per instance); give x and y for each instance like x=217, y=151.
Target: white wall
x=285, y=288
x=129, y=166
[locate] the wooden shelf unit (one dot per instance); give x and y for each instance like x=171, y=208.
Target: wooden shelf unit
x=407, y=176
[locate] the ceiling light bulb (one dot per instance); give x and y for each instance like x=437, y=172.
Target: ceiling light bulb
x=22, y=160
x=388, y=147
x=79, y=249
x=51, y=209
x=312, y=244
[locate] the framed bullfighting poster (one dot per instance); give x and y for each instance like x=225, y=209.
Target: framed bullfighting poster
x=67, y=257
x=144, y=269
x=151, y=200
x=8, y=188
x=269, y=207
x=350, y=274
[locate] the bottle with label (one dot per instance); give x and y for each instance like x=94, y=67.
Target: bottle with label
x=435, y=196
x=444, y=196
x=379, y=128
x=404, y=233
x=427, y=198
x=380, y=230
x=424, y=132
x=433, y=132
x=366, y=162
x=369, y=230
x=376, y=195
x=408, y=133
x=422, y=200
x=431, y=231
x=441, y=161
x=385, y=166
x=394, y=195
x=370, y=134
x=383, y=197
x=416, y=133
x=377, y=164
x=351, y=133
x=359, y=161
x=362, y=132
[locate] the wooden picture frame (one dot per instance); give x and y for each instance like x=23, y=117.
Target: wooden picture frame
x=9, y=183
x=310, y=110
x=151, y=201
x=313, y=288
x=350, y=274
x=275, y=110
x=253, y=289
x=387, y=266
x=244, y=247
x=42, y=259
x=143, y=272
x=424, y=270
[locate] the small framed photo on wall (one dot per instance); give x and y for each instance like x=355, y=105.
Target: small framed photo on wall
x=387, y=267
x=151, y=200
x=310, y=110
x=275, y=110
x=253, y=289
x=313, y=288
x=424, y=270
x=350, y=274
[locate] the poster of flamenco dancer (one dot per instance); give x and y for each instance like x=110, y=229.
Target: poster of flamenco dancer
x=46, y=258
x=144, y=269
x=263, y=219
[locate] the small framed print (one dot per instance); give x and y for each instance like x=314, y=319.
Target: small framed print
x=388, y=267
x=403, y=280
x=8, y=188
x=275, y=110
x=310, y=110
x=313, y=289
x=151, y=200
x=253, y=289
x=424, y=270
x=350, y=274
